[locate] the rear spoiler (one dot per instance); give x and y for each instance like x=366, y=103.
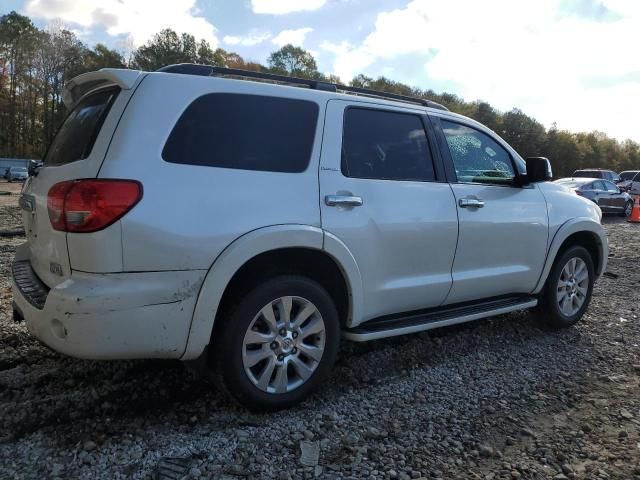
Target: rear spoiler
x=77, y=87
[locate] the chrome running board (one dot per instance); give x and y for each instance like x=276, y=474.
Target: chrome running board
x=393, y=325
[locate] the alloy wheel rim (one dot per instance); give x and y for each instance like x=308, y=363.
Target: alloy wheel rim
x=572, y=286
x=628, y=209
x=284, y=344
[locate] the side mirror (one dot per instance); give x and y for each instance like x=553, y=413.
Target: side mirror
x=538, y=170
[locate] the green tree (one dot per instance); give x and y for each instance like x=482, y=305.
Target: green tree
x=293, y=61
x=101, y=57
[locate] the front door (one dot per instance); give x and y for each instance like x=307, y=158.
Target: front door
x=380, y=195
x=503, y=227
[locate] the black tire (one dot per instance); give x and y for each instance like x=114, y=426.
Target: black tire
x=228, y=342
x=628, y=208
x=549, y=311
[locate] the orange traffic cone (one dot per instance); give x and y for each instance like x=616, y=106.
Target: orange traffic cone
x=635, y=213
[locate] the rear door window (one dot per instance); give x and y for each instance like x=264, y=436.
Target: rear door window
x=75, y=139
x=248, y=132
x=385, y=145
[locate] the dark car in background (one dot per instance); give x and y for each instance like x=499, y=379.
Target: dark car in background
x=604, y=193
x=630, y=181
x=597, y=173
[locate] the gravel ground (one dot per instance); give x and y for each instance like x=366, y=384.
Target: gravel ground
x=499, y=398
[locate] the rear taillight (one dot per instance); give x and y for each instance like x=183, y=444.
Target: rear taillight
x=84, y=206
x=579, y=193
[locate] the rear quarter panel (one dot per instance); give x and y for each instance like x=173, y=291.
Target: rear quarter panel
x=189, y=214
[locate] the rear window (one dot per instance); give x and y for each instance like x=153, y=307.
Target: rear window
x=628, y=175
x=587, y=173
x=75, y=139
x=248, y=132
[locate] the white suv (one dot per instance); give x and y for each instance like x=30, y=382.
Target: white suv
x=204, y=213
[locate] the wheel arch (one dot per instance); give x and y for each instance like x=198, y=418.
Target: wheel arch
x=579, y=231
x=299, y=244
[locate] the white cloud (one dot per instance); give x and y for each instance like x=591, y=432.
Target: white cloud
x=140, y=19
x=294, y=37
x=524, y=54
x=281, y=7
x=253, y=38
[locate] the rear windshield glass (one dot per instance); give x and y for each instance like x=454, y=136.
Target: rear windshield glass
x=587, y=173
x=628, y=175
x=249, y=132
x=78, y=133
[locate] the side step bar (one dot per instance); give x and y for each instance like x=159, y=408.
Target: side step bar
x=412, y=322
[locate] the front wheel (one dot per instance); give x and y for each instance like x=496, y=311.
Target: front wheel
x=278, y=344
x=628, y=208
x=568, y=289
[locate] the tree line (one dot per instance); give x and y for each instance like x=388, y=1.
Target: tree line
x=36, y=63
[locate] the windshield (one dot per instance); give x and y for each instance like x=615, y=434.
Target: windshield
x=78, y=133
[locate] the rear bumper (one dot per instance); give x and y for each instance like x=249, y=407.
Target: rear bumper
x=113, y=316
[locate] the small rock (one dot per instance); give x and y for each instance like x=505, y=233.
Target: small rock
x=561, y=476
x=566, y=468
x=486, y=451
x=309, y=453
x=195, y=472
x=626, y=414
x=56, y=469
x=527, y=432
x=89, y=445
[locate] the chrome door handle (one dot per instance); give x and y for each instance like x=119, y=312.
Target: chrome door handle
x=470, y=203
x=343, y=201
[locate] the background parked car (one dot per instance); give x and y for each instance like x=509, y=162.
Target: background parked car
x=604, y=193
x=597, y=173
x=17, y=173
x=630, y=181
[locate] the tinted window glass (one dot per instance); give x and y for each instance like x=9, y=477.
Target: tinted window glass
x=476, y=156
x=586, y=174
x=78, y=133
x=599, y=185
x=628, y=175
x=248, y=132
x=385, y=145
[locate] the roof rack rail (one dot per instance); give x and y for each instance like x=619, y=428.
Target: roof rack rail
x=208, y=71
x=395, y=96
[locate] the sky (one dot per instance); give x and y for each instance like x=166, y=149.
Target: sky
x=574, y=63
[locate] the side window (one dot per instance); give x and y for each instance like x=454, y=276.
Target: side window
x=611, y=188
x=385, y=145
x=249, y=132
x=476, y=156
x=599, y=185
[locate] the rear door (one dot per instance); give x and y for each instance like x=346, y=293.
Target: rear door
x=76, y=152
x=503, y=237
x=383, y=196
x=615, y=200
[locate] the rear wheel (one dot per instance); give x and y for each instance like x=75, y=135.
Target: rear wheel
x=278, y=344
x=628, y=208
x=568, y=289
